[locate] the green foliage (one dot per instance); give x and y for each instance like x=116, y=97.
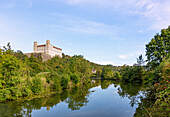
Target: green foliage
x=161, y=106
x=132, y=74
x=55, y=82
x=75, y=78
x=7, y=50
x=117, y=76
x=6, y=94
x=65, y=81
x=9, y=66
x=110, y=72
x=158, y=48
x=149, y=77
x=21, y=76
x=107, y=72
x=35, y=66
x=98, y=72
x=105, y=84
x=36, y=85
x=140, y=61
x=15, y=92
x=27, y=92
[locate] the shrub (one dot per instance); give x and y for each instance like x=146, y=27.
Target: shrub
x=57, y=85
x=36, y=85
x=117, y=76
x=55, y=81
x=6, y=94
x=75, y=78
x=27, y=92
x=64, y=81
x=15, y=92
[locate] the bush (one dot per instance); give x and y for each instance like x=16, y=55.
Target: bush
x=57, y=85
x=36, y=85
x=6, y=94
x=149, y=77
x=1, y=84
x=132, y=74
x=2, y=97
x=117, y=76
x=27, y=92
x=15, y=92
x=64, y=81
x=161, y=106
x=75, y=78
x=54, y=81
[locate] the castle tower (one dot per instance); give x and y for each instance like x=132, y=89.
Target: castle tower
x=47, y=46
x=47, y=49
x=35, y=47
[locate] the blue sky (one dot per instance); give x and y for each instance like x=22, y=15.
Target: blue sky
x=103, y=31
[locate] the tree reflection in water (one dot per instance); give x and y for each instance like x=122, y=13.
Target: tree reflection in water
x=138, y=95
x=77, y=97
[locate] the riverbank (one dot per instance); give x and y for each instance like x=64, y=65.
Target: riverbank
x=91, y=99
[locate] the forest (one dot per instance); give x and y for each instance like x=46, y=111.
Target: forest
x=25, y=78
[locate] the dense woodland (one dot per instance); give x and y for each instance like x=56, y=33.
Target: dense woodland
x=23, y=78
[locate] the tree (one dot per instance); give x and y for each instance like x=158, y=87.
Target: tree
x=132, y=74
x=107, y=72
x=9, y=67
x=36, y=85
x=7, y=50
x=140, y=60
x=158, y=48
x=98, y=72
x=75, y=78
x=65, y=81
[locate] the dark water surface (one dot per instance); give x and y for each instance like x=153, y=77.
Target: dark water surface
x=100, y=98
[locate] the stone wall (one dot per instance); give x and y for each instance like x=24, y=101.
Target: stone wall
x=45, y=57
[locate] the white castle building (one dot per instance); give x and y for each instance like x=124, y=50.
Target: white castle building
x=47, y=49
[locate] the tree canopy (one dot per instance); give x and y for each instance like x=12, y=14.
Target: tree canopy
x=158, y=48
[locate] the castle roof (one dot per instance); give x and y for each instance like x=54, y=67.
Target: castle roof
x=41, y=45
x=53, y=47
x=57, y=48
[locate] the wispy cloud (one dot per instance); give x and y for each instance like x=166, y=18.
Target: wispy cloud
x=79, y=25
x=154, y=13
x=129, y=55
x=6, y=4
x=123, y=56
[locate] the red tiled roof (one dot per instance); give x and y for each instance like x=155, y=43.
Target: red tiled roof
x=41, y=45
x=57, y=48
x=53, y=47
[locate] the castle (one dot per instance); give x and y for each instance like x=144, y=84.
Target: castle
x=46, y=51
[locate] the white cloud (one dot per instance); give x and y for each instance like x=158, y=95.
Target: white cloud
x=129, y=55
x=79, y=25
x=155, y=13
x=122, y=56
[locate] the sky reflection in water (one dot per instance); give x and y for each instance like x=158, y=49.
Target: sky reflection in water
x=102, y=102
x=104, y=98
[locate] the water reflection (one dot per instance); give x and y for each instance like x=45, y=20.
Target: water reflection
x=138, y=95
x=79, y=96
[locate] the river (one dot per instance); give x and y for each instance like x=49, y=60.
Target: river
x=100, y=98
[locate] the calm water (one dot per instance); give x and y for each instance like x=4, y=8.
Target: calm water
x=100, y=98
